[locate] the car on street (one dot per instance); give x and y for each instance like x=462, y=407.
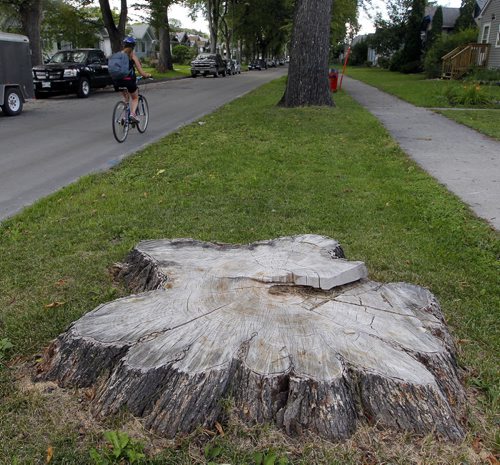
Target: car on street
x=257, y=64
x=229, y=66
x=206, y=64
x=72, y=71
x=237, y=67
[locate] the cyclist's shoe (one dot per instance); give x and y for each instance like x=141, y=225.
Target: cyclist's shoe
x=133, y=119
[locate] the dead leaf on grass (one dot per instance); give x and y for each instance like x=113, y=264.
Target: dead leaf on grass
x=219, y=428
x=54, y=304
x=50, y=454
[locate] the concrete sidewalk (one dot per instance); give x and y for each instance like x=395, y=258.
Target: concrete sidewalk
x=465, y=161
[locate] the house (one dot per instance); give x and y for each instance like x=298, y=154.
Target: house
x=371, y=56
x=201, y=43
x=179, y=38
x=450, y=16
x=146, y=39
x=489, y=31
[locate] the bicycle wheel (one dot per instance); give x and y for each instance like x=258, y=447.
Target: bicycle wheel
x=120, y=121
x=142, y=114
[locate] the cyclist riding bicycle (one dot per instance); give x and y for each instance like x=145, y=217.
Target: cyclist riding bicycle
x=129, y=82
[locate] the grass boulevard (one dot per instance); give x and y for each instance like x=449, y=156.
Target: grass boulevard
x=468, y=102
x=251, y=171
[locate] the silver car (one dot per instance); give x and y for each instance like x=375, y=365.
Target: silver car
x=236, y=67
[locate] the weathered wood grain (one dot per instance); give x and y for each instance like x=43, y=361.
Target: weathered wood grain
x=289, y=330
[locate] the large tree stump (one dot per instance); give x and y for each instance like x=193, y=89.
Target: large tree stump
x=287, y=329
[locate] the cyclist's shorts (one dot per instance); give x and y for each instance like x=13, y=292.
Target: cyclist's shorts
x=130, y=84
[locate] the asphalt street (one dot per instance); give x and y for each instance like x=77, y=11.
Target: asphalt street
x=56, y=141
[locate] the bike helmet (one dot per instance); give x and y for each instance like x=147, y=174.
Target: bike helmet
x=129, y=42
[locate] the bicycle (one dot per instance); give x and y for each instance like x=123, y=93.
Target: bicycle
x=121, y=117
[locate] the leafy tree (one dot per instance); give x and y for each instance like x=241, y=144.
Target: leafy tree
x=466, y=18
x=182, y=54
x=156, y=14
x=389, y=34
x=116, y=30
x=359, y=53
x=65, y=22
x=307, y=83
x=436, y=28
x=29, y=13
x=411, y=53
x=344, y=20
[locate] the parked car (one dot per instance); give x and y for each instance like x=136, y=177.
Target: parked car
x=271, y=64
x=257, y=64
x=16, y=82
x=229, y=66
x=237, y=67
x=69, y=71
x=208, y=63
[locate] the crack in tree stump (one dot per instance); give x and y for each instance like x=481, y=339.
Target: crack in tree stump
x=288, y=329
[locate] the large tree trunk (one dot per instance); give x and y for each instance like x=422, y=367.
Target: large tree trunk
x=309, y=52
x=165, y=60
x=289, y=331
x=116, y=33
x=213, y=10
x=31, y=20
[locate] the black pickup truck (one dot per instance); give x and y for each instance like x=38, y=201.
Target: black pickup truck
x=208, y=63
x=72, y=71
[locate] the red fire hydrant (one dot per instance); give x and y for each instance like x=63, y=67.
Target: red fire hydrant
x=333, y=77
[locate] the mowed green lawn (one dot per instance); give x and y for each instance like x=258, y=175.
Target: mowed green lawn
x=431, y=93
x=252, y=171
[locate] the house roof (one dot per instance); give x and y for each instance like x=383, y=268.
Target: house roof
x=139, y=31
x=485, y=4
x=450, y=15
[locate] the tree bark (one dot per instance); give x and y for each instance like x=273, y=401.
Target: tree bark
x=165, y=60
x=31, y=21
x=309, y=52
x=287, y=329
x=116, y=32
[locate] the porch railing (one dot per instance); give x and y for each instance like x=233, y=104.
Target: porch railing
x=464, y=58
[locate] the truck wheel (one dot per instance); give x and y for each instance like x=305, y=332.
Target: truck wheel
x=193, y=75
x=13, y=102
x=83, y=88
x=216, y=74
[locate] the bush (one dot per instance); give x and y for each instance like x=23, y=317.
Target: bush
x=411, y=67
x=444, y=45
x=384, y=62
x=359, y=53
x=396, y=61
x=182, y=54
x=472, y=94
x=491, y=76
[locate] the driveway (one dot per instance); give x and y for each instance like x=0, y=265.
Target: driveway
x=55, y=141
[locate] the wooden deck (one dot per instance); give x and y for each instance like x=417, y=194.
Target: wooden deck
x=463, y=59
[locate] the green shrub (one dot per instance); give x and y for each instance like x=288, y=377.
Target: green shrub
x=485, y=75
x=444, y=45
x=471, y=94
x=359, y=53
x=182, y=54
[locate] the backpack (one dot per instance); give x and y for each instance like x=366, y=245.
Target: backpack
x=119, y=65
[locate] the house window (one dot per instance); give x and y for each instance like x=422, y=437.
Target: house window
x=486, y=33
x=497, y=42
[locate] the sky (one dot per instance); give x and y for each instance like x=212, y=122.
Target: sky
x=182, y=14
